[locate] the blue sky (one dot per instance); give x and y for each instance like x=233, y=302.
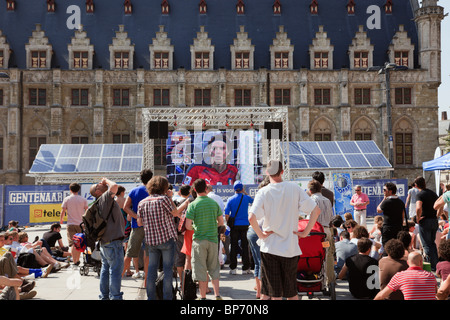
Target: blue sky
x=444, y=89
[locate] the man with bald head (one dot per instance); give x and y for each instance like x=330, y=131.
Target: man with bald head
x=415, y=283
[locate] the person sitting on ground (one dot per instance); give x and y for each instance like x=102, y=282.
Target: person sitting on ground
x=9, y=288
x=49, y=240
x=415, y=283
x=349, y=225
x=405, y=238
x=443, y=266
x=344, y=249
x=358, y=268
x=360, y=232
x=391, y=264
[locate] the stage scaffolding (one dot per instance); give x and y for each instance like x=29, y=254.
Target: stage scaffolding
x=204, y=118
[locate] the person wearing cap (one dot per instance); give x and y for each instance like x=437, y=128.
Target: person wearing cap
x=237, y=209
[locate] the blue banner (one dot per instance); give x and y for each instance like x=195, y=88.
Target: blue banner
x=342, y=183
x=374, y=190
x=34, y=204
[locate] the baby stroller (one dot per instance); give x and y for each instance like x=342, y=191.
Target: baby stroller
x=90, y=259
x=311, y=277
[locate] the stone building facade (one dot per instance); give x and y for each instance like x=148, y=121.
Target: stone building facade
x=62, y=90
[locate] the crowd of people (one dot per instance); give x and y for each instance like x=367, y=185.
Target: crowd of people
x=191, y=234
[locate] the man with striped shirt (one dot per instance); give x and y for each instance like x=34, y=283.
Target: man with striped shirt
x=415, y=283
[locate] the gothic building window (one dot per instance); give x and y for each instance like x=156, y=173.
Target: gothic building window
x=80, y=60
x=34, y=143
x=80, y=97
x=281, y=51
x=242, y=60
x=403, y=148
x=37, y=97
x=362, y=96
x=79, y=140
x=121, y=60
x=89, y=6
x=121, y=97
x=314, y=7
x=321, y=51
x=361, y=60
x=360, y=50
x=322, y=97
x=50, y=5
x=242, y=97
x=2, y=59
x=242, y=51
x=388, y=6
x=240, y=7
x=320, y=60
x=165, y=8
x=401, y=49
x=161, y=97
x=202, y=97
x=121, y=51
x=1, y=97
x=128, y=7
x=10, y=5
x=282, y=97
x=38, y=50
x=351, y=7
x=202, y=52
x=81, y=52
x=121, y=138
x=402, y=96
x=401, y=58
x=277, y=7
x=161, y=51
x=281, y=60
x=202, y=7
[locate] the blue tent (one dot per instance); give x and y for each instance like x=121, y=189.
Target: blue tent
x=441, y=163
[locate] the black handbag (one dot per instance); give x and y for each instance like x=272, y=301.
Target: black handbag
x=231, y=219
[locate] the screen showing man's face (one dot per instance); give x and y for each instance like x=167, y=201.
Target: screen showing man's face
x=218, y=152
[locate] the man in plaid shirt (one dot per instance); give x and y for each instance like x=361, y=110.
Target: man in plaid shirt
x=156, y=213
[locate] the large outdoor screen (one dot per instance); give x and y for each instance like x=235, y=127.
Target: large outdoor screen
x=218, y=156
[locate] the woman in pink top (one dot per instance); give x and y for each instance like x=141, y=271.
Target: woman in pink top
x=360, y=201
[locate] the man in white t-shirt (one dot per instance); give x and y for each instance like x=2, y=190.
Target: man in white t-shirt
x=75, y=206
x=280, y=203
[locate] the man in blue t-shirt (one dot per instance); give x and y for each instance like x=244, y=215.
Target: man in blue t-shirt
x=237, y=208
x=137, y=232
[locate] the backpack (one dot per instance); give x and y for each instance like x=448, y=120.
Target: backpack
x=94, y=223
x=79, y=241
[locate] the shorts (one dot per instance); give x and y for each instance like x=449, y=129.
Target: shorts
x=72, y=229
x=205, y=258
x=135, y=242
x=278, y=275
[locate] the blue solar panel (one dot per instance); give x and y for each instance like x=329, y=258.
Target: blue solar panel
x=334, y=155
x=329, y=147
x=316, y=161
x=71, y=158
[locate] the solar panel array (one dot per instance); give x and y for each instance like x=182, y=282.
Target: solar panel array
x=79, y=158
x=335, y=155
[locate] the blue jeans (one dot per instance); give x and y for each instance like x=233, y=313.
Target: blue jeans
x=111, y=272
x=255, y=250
x=154, y=253
x=427, y=231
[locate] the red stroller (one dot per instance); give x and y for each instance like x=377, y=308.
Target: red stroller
x=311, y=265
